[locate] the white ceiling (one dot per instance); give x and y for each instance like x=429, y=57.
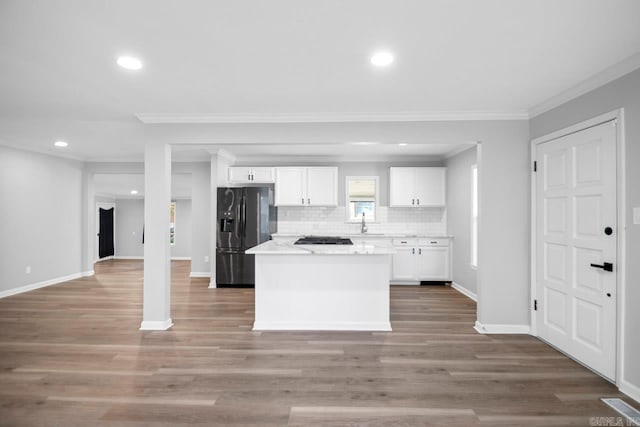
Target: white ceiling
x=120, y=185
x=285, y=60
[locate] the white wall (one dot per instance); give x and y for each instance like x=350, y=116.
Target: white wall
x=129, y=224
x=200, y=218
x=623, y=92
x=41, y=217
x=459, y=216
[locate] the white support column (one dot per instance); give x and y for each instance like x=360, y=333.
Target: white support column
x=214, y=213
x=156, y=313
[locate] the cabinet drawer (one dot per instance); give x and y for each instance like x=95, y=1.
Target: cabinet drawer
x=433, y=242
x=405, y=242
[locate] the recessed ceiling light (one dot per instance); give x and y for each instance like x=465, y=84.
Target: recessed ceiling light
x=61, y=144
x=129, y=62
x=403, y=144
x=382, y=59
x=364, y=143
x=134, y=192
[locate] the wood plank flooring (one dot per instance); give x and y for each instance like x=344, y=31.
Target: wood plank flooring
x=72, y=355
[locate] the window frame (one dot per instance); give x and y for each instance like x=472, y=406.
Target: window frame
x=376, y=205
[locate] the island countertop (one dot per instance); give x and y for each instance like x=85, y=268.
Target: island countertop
x=285, y=248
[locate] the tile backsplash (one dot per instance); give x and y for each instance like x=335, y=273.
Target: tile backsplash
x=332, y=220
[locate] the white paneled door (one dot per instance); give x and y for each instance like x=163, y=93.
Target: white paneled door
x=576, y=239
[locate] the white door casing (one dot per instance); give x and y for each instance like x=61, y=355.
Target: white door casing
x=575, y=204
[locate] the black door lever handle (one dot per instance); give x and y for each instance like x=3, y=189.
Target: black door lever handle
x=606, y=266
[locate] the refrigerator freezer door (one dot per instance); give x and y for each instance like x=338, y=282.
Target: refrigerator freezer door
x=234, y=268
x=229, y=218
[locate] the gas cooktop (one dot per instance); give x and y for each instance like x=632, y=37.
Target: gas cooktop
x=323, y=240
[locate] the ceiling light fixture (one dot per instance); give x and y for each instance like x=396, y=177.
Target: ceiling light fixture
x=382, y=59
x=364, y=143
x=129, y=62
x=134, y=192
x=61, y=144
x=403, y=144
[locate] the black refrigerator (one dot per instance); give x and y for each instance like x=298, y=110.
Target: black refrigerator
x=246, y=217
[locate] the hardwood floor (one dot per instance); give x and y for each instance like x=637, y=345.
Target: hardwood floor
x=72, y=354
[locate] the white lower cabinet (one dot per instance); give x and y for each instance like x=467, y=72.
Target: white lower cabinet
x=404, y=263
x=416, y=260
x=433, y=263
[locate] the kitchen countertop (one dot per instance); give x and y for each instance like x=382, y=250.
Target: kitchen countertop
x=280, y=248
x=367, y=235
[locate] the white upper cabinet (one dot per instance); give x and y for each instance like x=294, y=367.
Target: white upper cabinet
x=306, y=186
x=417, y=186
x=291, y=186
x=401, y=187
x=251, y=174
x=322, y=186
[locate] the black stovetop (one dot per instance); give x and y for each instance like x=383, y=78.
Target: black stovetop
x=323, y=240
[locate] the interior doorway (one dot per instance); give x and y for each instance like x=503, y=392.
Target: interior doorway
x=105, y=231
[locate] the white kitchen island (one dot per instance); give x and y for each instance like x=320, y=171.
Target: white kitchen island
x=322, y=287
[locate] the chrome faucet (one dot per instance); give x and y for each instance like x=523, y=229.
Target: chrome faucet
x=363, y=227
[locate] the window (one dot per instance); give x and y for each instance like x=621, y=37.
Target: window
x=361, y=198
x=172, y=223
x=474, y=216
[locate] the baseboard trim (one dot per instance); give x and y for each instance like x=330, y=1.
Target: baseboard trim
x=501, y=329
x=88, y=273
x=107, y=258
x=180, y=258
x=43, y=284
x=321, y=326
x=199, y=274
x=128, y=257
x=212, y=285
x=630, y=390
x=156, y=325
x=464, y=291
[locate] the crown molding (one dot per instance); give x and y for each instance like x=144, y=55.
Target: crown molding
x=427, y=116
x=608, y=75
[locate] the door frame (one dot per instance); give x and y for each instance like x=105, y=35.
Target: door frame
x=96, y=244
x=618, y=117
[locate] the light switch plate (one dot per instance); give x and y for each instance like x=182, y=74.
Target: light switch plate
x=636, y=215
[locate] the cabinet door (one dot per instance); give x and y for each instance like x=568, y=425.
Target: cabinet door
x=322, y=186
x=239, y=174
x=404, y=263
x=401, y=187
x=290, y=186
x=433, y=263
x=262, y=175
x=430, y=186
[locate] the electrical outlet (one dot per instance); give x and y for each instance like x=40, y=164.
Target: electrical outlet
x=636, y=216
x=28, y=269
x=206, y=258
